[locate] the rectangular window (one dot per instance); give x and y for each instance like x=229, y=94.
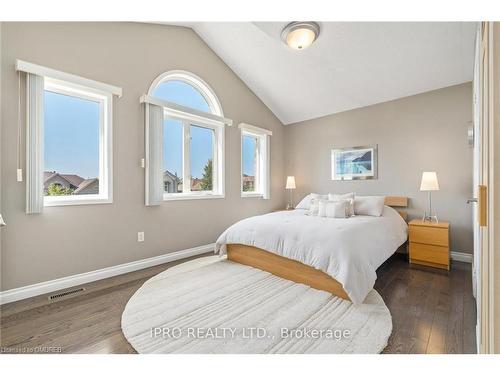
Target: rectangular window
x=68, y=138
x=192, y=151
x=255, y=161
x=250, y=163
x=77, y=141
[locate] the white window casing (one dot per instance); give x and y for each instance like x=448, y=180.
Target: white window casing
x=27, y=67
x=263, y=167
x=74, y=86
x=34, y=143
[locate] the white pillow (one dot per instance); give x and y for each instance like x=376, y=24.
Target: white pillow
x=369, y=205
x=335, y=209
x=305, y=203
x=314, y=207
x=340, y=197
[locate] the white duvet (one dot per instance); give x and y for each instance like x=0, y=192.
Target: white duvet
x=350, y=250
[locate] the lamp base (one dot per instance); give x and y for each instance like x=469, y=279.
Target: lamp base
x=289, y=206
x=430, y=218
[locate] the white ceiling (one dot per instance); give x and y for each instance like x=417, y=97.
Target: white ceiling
x=351, y=65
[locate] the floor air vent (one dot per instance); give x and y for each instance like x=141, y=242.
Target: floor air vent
x=65, y=294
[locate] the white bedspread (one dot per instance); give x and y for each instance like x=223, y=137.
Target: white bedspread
x=350, y=250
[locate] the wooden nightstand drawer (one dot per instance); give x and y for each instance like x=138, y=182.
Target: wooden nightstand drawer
x=429, y=235
x=429, y=255
x=429, y=243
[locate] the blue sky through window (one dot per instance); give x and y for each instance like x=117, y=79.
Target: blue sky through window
x=181, y=93
x=71, y=139
x=172, y=146
x=249, y=144
x=201, y=149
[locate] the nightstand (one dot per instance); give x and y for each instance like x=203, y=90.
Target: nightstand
x=430, y=243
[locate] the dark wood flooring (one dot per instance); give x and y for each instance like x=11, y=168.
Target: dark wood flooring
x=433, y=311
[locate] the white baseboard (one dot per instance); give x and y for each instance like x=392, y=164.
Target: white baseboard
x=461, y=257
x=28, y=291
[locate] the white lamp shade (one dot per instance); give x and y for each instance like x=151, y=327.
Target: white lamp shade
x=429, y=181
x=290, y=182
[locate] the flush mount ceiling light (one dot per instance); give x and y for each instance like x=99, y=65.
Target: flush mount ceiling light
x=300, y=35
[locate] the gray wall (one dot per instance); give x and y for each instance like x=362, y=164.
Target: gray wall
x=69, y=240
x=426, y=132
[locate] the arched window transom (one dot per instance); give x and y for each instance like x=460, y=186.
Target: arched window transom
x=186, y=89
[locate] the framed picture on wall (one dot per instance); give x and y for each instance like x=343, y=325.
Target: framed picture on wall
x=354, y=163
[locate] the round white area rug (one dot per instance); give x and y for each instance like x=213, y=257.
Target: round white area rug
x=212, y=305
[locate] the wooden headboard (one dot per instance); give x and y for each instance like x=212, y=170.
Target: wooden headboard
x=398, y=203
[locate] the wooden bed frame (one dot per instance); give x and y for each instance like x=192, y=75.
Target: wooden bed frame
x=291, y=269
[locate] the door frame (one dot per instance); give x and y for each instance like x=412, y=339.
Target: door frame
x=485, y=318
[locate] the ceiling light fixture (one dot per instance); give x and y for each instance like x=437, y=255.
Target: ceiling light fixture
x=300, y=35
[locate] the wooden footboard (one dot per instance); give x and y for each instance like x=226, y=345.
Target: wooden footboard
x=285, y=268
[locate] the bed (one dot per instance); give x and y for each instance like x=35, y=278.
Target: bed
x=340, y=256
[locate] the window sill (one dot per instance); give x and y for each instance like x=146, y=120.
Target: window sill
x=184, y=197
x=66, y=201
x=252, y=195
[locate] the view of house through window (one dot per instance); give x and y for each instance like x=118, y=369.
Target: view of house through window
x=71, y=145
x=249, y=163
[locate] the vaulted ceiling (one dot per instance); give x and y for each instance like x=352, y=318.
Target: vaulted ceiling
x=351, y=65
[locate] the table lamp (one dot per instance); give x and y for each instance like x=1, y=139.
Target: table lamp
x=290, y=186
x=429, y=183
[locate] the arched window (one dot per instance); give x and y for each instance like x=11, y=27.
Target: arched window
x=186, y=89
x=192, y=139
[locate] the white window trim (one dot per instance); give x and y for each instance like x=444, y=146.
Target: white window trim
x=43, y=71
x=183, y=112
x=189, y=116
x=105, y=100
x=263, y=142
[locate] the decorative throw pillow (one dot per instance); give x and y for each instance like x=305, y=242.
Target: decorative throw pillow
x=369, y=205
x=335, y=209
x=349, y=197
x=305, y=203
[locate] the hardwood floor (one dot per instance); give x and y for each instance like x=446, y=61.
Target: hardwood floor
x=433, y=311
